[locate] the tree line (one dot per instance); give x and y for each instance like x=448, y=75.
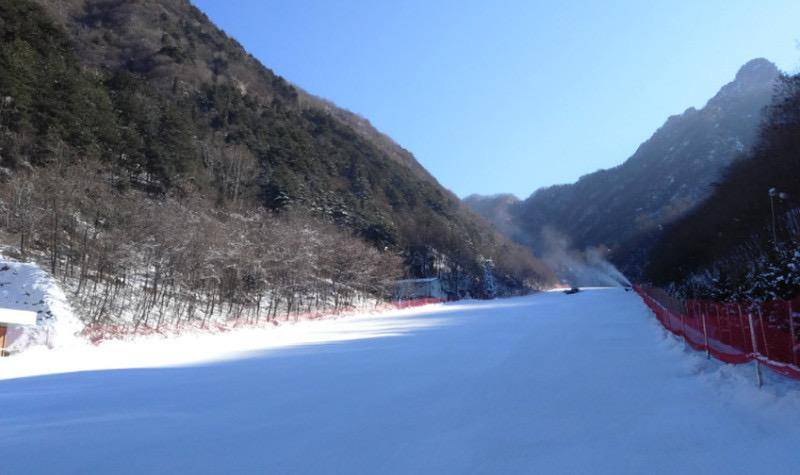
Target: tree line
x=156, y=263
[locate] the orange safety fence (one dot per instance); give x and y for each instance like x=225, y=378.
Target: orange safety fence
x=736, y=333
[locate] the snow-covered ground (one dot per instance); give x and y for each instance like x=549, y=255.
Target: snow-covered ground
x=551, y=383
x=26, y=287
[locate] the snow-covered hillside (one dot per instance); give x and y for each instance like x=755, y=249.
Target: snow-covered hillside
x=551, y=383
x=25, y=286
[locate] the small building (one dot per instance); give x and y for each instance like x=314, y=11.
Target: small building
x=410, y=289
x=12, y=318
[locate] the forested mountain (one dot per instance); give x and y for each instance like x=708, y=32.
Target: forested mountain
x=743, y=242
x=620, y=208
x=154, y=100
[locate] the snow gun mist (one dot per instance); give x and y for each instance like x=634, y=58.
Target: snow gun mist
x=586, y=268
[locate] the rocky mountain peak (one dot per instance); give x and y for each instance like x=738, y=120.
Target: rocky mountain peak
x=758, y=71
x=757, y=77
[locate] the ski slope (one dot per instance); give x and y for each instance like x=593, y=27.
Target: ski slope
x=551, y=383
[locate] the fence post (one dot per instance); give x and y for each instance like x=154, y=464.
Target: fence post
x=791, y=330
x=683, y=326
x=763, y=333
x=741, y=323
x=755, y=350
x=705, y=335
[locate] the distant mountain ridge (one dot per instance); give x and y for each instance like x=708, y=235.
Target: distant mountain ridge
x=497, y=210
x=668, y=174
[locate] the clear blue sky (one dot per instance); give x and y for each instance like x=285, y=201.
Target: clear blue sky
x=509, y=96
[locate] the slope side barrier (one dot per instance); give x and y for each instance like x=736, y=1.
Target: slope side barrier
x=735, y=333
x=97, y=333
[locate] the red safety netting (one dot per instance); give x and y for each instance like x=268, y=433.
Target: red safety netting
x=415, y=302
x=734, y=332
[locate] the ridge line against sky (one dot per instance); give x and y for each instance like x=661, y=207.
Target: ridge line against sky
x=509, y=97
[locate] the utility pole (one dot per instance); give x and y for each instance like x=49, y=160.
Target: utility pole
x=772, y=193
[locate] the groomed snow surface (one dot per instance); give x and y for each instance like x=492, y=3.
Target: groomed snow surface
x=551, y=383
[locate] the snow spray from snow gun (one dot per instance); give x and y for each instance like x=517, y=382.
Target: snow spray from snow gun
x=587, y=268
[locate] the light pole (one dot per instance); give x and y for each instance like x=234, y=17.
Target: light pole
x=774, y=193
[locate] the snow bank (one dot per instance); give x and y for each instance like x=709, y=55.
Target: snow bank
x=154, y=351
x=26, y=287
x=733, y=382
